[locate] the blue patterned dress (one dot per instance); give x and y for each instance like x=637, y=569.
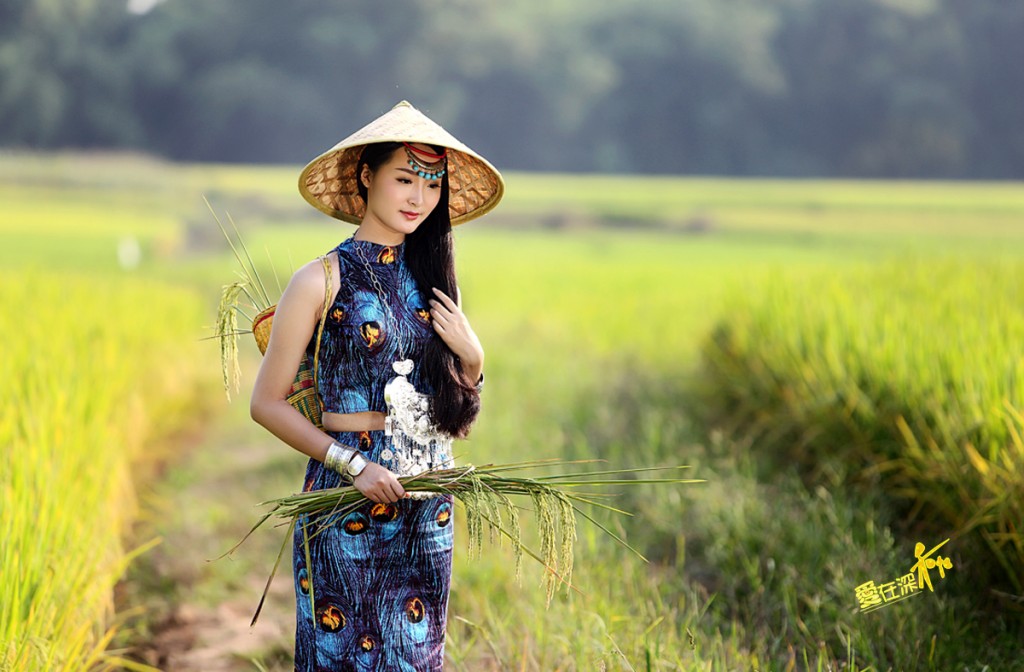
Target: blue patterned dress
x=379, y=575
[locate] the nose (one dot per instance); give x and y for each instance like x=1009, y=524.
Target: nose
x=416, y=193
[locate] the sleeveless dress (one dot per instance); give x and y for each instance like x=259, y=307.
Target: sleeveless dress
x=379, y=575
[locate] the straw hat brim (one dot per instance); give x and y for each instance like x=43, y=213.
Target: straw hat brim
x=328, y=182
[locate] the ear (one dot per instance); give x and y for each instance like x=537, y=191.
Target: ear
x=365, y=176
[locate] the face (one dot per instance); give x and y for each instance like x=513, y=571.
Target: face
x=398, y=200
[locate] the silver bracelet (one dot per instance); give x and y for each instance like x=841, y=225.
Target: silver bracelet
x=345, y=460
x=338, y=457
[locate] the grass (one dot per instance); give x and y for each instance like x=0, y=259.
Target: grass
x=83, y=400
x=918, y=382
x=777, y=557
x=593, y=340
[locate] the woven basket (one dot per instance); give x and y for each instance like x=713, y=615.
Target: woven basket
x=261, y=328
x=302, y=396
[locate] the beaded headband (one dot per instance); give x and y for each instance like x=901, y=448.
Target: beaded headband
x=432, y=169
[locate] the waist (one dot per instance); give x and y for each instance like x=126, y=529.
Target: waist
x=362, y=421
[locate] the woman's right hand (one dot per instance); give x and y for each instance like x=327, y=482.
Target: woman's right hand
x=379, y=484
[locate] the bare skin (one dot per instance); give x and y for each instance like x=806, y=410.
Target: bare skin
x=398, y=201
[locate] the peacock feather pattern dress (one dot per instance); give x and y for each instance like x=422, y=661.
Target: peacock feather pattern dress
x=373, y=593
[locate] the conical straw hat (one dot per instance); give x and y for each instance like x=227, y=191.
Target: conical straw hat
x=329, y=181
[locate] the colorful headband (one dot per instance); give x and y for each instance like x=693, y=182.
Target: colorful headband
x=431, y=170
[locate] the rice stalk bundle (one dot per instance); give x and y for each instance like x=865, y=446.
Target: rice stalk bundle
x=487, y=494
x=232, y=304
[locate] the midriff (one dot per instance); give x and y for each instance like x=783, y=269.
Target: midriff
x=362, y=421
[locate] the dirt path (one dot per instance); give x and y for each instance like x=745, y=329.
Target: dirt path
x=197, y=608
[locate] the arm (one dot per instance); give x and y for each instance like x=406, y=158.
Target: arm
x=451, y=325
x=297, y=316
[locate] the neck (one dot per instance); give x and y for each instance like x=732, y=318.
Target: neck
x=378, y=235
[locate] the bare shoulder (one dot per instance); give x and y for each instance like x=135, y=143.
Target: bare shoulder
x=311, y=273
x=305, y=290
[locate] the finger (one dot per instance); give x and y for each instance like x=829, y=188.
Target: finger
x=441, y=308
x=438, y=327
x=445, y=299
x=439, y=316
x=394, y=492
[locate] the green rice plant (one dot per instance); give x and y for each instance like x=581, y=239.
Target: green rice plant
x=485, y=493
x=781, y=557
x=647, y=288
x=979, y=496
x=94, y=372
x=909, y=376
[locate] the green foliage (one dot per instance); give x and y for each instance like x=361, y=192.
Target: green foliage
x=909, y=375
x=802, y=87
x=772, y=559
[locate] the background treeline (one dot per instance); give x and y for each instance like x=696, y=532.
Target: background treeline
x=884, y=88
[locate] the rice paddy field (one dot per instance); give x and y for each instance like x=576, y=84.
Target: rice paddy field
x=838, y=361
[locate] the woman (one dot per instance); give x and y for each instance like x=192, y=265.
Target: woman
x=372, y=588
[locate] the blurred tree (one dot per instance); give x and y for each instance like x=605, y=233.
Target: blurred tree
x=258, y=80
x=992, y=93
x=871, y=92
x=63, y=81
x=688, y=81
x=926, y=88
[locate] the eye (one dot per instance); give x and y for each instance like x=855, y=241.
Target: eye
x=435, y=185
x=405, y=180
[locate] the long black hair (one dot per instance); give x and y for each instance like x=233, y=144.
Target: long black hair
x=431, y=260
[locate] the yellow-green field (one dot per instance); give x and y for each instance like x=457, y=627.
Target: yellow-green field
x=914, y=369
x=821, y=352
x=96, y=370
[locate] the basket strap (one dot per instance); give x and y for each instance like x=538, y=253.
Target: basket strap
x=320, y=330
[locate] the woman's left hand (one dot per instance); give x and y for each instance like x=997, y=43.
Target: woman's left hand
x=451, y=325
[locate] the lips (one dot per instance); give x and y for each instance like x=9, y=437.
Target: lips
x=410, y=215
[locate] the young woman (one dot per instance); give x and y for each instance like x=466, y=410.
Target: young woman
x=399, y=376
